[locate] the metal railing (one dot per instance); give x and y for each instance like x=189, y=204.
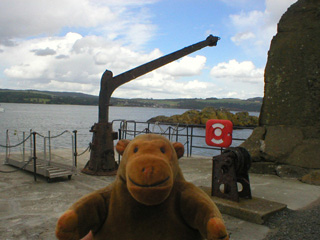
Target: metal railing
x=191, y=135
x=29, y=149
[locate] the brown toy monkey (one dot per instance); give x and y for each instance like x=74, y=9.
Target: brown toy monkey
x=150, y=199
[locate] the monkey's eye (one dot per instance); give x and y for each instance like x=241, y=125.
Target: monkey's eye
x=135, y=149
x=162, y=149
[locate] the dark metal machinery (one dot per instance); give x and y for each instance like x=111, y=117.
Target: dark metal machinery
x=230, y=179
x=102, y=161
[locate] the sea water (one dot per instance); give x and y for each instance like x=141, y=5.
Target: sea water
x=21, y=119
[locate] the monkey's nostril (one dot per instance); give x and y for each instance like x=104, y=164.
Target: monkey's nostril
x=147, y=170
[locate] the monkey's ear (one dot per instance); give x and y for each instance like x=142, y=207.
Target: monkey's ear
x=179, y=149
x=121, y=145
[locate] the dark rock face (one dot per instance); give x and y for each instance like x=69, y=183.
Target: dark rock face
x=292, y=83
x=289, y=124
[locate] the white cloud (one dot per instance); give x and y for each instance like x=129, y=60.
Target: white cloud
x=239, y=79
x=233, y=71
x=255, y=29
x=76, y=63
x=37, y=51
x=26, y=71
x=156, y=85
x=153, y=86
x=166, y=81
x=276, y=9
x=187, y=66
x=68, y=86
x=240, y=37
x=33, y=55
x=44, y=52
x=230, y=79
x=248, y=20
x=20, y=19
x=79, y=62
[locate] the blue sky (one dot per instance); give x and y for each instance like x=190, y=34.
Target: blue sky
x=66, y=45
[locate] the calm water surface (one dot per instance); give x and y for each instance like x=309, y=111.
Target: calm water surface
x=19, y=118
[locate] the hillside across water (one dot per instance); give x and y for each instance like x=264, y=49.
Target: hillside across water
x=47, y=97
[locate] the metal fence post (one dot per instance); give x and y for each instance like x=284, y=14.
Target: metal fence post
x=149, y=126
x=7, y=146
x=45, y=150
x=120, y=136
x=191, y=141
x=177, y=133
x=49, y=142
x=30, y=143
x=188, y=141
x=23, y=146
x=75, y=154
x=34, y=156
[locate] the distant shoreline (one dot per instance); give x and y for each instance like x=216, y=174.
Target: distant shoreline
x=73, y=98
x=66, y=104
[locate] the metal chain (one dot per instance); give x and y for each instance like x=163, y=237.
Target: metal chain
x=60, y=134
x=84, y=151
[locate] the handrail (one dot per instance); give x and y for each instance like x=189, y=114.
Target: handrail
x=175, y=132
x=188, y=136
x=34, y=150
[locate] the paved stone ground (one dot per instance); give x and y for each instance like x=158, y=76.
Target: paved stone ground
x=29, y=210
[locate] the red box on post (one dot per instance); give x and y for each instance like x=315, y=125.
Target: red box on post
x=219, y=133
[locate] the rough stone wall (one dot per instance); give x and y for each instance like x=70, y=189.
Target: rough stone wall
x=289, y=124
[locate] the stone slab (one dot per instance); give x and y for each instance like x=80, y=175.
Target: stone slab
x=255, y=210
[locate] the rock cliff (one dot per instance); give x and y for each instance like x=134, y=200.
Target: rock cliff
x=289, y=124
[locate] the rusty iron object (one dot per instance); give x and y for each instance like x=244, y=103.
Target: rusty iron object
x=102, y=161
x=230, y=178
